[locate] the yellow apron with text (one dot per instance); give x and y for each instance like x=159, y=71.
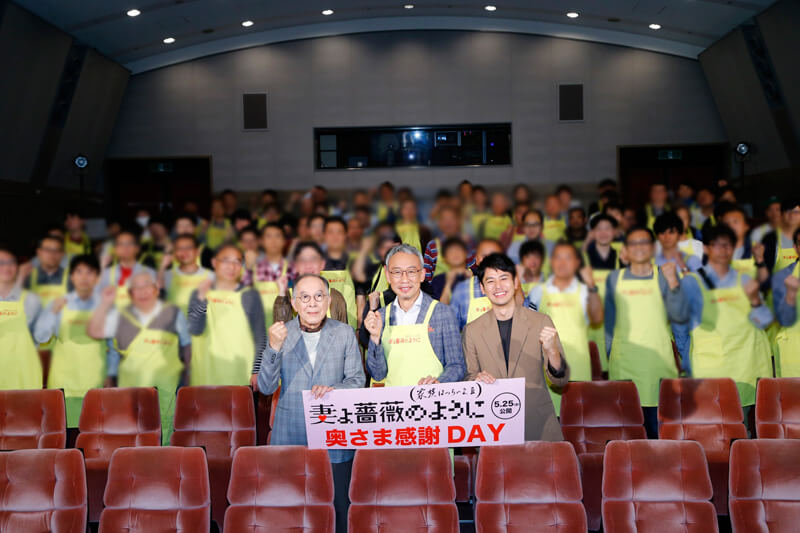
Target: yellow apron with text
x=342, y=282
x=495, y=225
x=47, y=294
x=152, y=360
x=223, y=354
x=19, y=359
x=181, y=287
x=598, y=333
x=78, y=363
x=268, y=290
x=566, y=312
x=477, y=306
x=783, y=258
x=441, y=266
x=553, y=229
x=787, y=343
x=409, y=234
x=216, y=236
x=409, y=354
x=641, y=349
x=77, y=248
x=726, y=344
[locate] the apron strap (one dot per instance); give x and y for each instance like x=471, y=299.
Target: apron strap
x=429, y=314
x=703, y=274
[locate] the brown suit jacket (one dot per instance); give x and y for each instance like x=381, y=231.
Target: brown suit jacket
x=483, y=351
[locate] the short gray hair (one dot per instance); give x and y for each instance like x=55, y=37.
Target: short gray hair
x=404, y=249
x=316, y=276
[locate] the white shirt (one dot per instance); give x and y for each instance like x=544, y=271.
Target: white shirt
x=311, y=340
x=406, y=318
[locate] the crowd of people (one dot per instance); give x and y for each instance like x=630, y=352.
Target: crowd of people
x=305, y=293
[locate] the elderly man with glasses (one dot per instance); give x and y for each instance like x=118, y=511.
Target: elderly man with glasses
x=312, y=352
x=414, y=340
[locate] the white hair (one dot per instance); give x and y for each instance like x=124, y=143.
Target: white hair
x=404, y=249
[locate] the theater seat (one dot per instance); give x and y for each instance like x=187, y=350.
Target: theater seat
x=597, y=365
x=403, y=491
x=280, y=488
x=220, y=419
x=778, y=408
x=32, y=419
x=157, y=490
x=110, y=419
x=464, y=467
x=42, y=490
x=656, y=485
x=534, y=486
x=593, y=413
x=765, y=485
x=707, y=411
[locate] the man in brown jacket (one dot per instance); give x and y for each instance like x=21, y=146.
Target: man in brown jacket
x=513, y=341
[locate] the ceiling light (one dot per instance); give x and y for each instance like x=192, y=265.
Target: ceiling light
x=655, y=26
x=490, y=8
x=408, y=6
x=134, y=13
x=328, y=12
x=169, y=40
x=573, y=15
x=247, y=23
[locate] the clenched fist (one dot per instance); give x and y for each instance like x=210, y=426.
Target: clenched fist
x=108, y=295
x=758, y=252
x=670, y=271
x=203, y=288
x=374, y=324
x=548, y=338
x=751, y=290
x=586, y=276
x=166, y=262
x=58, y=304
x=277, y=335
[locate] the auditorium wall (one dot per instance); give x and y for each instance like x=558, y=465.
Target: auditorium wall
x=631, y=97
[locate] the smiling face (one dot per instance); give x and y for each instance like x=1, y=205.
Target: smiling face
x=126, y=247
x=552, y=207
x=143, y=290
x=310, y=299
x=640, y=247
x=498, y=286
x=335, y=236
x=404, y=273
x=604, y=233
x=532, y=225
x=737, y=222
x=273, y=241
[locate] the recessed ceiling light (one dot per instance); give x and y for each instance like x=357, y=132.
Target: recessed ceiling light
x=409, y=6
x=134, y=13
x=169, y=40
x=328, y=12
x=490, y=8
x=573, y=15
x=247, y=23
x=655, y=26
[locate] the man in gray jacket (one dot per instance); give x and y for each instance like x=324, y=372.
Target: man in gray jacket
x=311, y=352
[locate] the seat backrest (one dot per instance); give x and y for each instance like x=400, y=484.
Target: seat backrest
x=32, y=419
x=43, y=487
x=595, y=412
x=778, y=408
x=221, y=419
x=706, y=410
x=765, y=485
x=115, y=417
x=155, y=487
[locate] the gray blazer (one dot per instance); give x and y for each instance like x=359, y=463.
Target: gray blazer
x=338, y=365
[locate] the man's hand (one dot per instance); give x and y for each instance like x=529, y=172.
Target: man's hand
x=374, y=300
x=670, y=271
x=485, y=377
x=250, y=257
x=107, y=296
x=792, y=284
x=548, y=338
x=166, y=262
x=586, y=276
x=318, y=391
x=430, y=380
x=751, y=290
x=758, y=252
x=109, y=382
x=374, y=324
x=58, y=304
x=277, y=335
x=254, y=382
x=203, y=288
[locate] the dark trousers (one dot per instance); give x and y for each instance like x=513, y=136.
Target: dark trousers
x=341, y=487
x=651, y=421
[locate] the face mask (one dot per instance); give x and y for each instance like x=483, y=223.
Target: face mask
x=142, y=221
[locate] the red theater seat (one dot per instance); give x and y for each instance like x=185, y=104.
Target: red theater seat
x=707, y=411
x=42, y=490
x=110, y=419
x=778, y=408
x=403, y=491
x=157, y=490
x=32, y=419
x=220, y=419
x=593, y=413
x=280, y=488
x=534, y=486
x=765, y=485
x=658, y=486
x=464, y=467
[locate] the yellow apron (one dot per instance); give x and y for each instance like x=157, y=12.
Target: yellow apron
x=181, y=287
x=495, y=225
x=553, y=229
x=726, y=344
x=787, y=342
x=77, y=248
x=268, y=290
x=519, y=237
x=123, y=297
x=150, y=252
x=745, y=266
x=383, y=211
x=783, y=258
x=566, y=312
x=476, y=220
x=527, y=287
x=152, y=360
x=19, y=359
x=641, y=349
x=47, y=294
x=477, y=306
x=409, y=233
x=223, y=354
x=441, y=266
x=216, y=236
x=651, y=217
x=686, y=247
x=409, y=354
x=379, y=281
x=342, y=282
x=78, y=363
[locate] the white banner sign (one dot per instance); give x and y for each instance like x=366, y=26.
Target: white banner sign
x=466, y=413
